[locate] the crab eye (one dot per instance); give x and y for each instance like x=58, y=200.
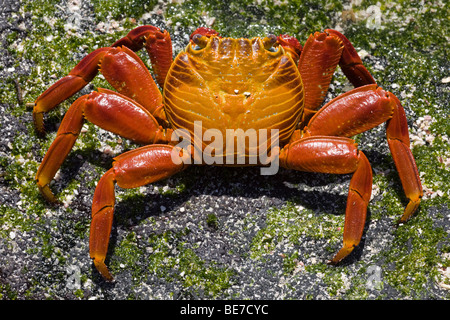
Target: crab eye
x=269, y=42
x=199, y=41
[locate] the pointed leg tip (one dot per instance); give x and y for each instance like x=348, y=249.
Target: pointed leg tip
x=103, y=270
x=343, y=253
x=38, y=119
x=332, y=262
x=48, y=194
x=410, y=209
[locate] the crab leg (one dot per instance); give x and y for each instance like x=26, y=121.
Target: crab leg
x=130, y=170
x=353, y=112
x=336, y=155
x=318, y=61
x=158, y=45
x=398, y=140
x=64, y=88
x=120, y=66
x=126, y=72
x=321, y=53
x=362, y=109
x=110, y=111
x=351, y=63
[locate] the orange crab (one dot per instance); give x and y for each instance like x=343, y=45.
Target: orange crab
x=269, y=83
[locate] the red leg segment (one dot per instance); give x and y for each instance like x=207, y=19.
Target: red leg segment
x=126, y=72
x=64, y=88
x=130, y=170
x=362, y=109
x=351, y=63
x=110, y=111
x=318, y=61
x=336, y=155
x=65, y=139
x=398, y=140
x=353, y=112
x=101, y=224
x=320, y=56
x=359, y=193
x=159, y=47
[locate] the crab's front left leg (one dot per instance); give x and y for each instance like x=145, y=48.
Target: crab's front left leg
x=158, y=45
x=127, y=65
x=130, y=170
x=340, y=156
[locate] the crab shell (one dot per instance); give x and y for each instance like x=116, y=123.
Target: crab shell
x=234, y=84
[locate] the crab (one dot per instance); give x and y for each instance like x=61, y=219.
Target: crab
x=260, y=84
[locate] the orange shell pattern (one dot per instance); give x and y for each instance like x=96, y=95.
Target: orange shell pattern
x=234, y=84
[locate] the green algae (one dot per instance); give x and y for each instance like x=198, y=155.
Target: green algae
x=171, y=259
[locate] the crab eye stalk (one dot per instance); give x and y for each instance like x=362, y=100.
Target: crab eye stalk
x=269, y=42
x=200, y=41
x=290, y=44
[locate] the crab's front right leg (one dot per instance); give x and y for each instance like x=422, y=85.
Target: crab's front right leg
x=337, y=155
x=117, y=63
x=130, y=170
